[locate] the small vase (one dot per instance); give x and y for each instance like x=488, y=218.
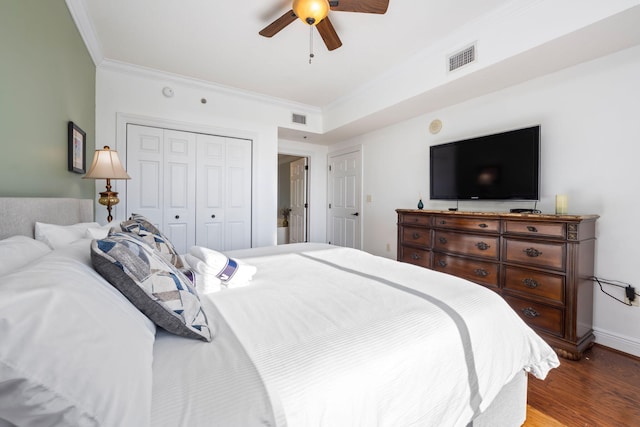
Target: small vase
x=420, y=204
x=285, y=222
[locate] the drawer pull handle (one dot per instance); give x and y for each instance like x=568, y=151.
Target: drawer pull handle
x=483, y=225
x=443, y=222
x=442, y=240
x=532, y=252
x=177, y=217
x=482, y=246
x=415, y=256
x=530, y=313
x=481, y=272
x=213, y=215
x=442, y=263
x=532, y=229
x=416, y=235
x=530, y=283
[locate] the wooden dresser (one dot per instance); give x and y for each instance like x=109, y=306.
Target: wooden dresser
x=540, y=264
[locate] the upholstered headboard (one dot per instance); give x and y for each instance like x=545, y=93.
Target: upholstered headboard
x=18, y=215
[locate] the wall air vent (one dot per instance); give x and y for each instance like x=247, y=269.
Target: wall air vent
x=299, y=118
x=462, y=58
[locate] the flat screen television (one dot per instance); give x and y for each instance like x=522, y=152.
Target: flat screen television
x=501, y=166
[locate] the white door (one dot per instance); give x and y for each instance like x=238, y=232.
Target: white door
x=145, y=166
x=180, y=189
x=210, y=214
x=162, y=185
x=298, y=216
x=345, y=177
x=195, y=188
x=223, y=199
x=237, y=194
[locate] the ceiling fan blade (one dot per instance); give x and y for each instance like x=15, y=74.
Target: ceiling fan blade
x=277, y=25
x=328, y=33
x=362, y=6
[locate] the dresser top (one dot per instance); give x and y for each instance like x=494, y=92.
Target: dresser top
x=506, y=215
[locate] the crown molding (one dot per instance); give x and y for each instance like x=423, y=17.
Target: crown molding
x=151, y=73
x=81, y=18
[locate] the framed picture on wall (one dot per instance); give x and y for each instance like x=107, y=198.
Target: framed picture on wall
x=77, y=149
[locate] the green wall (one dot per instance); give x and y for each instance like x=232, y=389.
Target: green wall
x=47, y=78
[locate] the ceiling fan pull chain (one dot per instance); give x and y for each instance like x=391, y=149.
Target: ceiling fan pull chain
x=310, y=43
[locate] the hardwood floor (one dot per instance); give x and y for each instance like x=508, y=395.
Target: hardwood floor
x=602, y=389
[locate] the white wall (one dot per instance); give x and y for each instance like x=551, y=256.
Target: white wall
x=129, y=95
x=590, y=151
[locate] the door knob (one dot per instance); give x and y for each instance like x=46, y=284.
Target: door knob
x=355, y=214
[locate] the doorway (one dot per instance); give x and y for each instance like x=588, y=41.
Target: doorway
x=293, y=189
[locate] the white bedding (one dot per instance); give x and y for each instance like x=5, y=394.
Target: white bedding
x=329, y=336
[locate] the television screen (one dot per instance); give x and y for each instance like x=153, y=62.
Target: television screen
x=502, y=166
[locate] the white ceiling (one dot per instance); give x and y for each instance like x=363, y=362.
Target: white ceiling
x=218, y=42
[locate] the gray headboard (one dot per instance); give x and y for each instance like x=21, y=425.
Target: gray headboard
x=18, y=215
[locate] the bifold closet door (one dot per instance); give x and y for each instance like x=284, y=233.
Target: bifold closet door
x=180, y=188
x=223, y=215
x=196, y=188
x=161, y=164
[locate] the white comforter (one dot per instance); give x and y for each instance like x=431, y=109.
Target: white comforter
x=329, y=336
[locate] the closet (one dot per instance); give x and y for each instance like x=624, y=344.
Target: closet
x=195, y=187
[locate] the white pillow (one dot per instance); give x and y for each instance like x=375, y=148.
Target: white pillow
x=18, y=251
x=98, y=232
x=57, y=236
x=74, y=350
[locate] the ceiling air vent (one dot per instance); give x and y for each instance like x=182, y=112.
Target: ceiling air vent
x=299, y=118
x=462, y=58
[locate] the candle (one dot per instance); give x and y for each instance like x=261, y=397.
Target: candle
x=561, y=204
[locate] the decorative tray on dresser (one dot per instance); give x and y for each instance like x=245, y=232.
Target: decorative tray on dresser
x=541, y=264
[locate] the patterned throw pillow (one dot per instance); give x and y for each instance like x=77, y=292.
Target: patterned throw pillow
x=158, y=289
x=141, y=226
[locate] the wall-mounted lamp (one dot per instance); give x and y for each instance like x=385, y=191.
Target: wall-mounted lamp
x=106, y=165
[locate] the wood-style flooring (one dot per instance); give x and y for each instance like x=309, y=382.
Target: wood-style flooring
x=601, y=389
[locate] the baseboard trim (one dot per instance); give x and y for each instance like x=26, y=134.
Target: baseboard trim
x=617, y=342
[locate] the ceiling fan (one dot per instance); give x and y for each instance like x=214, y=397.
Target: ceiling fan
x=314, y=13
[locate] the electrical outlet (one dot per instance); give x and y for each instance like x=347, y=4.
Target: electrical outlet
x=636, y=300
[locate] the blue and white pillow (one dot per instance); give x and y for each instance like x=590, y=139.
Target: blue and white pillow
x=141, y=226
x=157, y=288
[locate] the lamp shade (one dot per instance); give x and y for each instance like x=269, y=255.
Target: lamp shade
x=311, y=11
x=106, y=165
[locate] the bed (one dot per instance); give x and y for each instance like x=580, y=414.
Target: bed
x=320, y=336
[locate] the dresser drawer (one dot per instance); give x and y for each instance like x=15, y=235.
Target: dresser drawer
x=421, y=257
x=536, y=228
x=542, y=254
x=534, y=283
x=539, y=316
x=471, y=224
x=416, y=236
x=482, y=272
x=415, y=219
x=467, y=244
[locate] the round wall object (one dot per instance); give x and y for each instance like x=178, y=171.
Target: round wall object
x=167, y=91
x=435, y=126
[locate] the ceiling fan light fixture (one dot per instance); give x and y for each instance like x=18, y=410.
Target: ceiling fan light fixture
x=311, y=11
